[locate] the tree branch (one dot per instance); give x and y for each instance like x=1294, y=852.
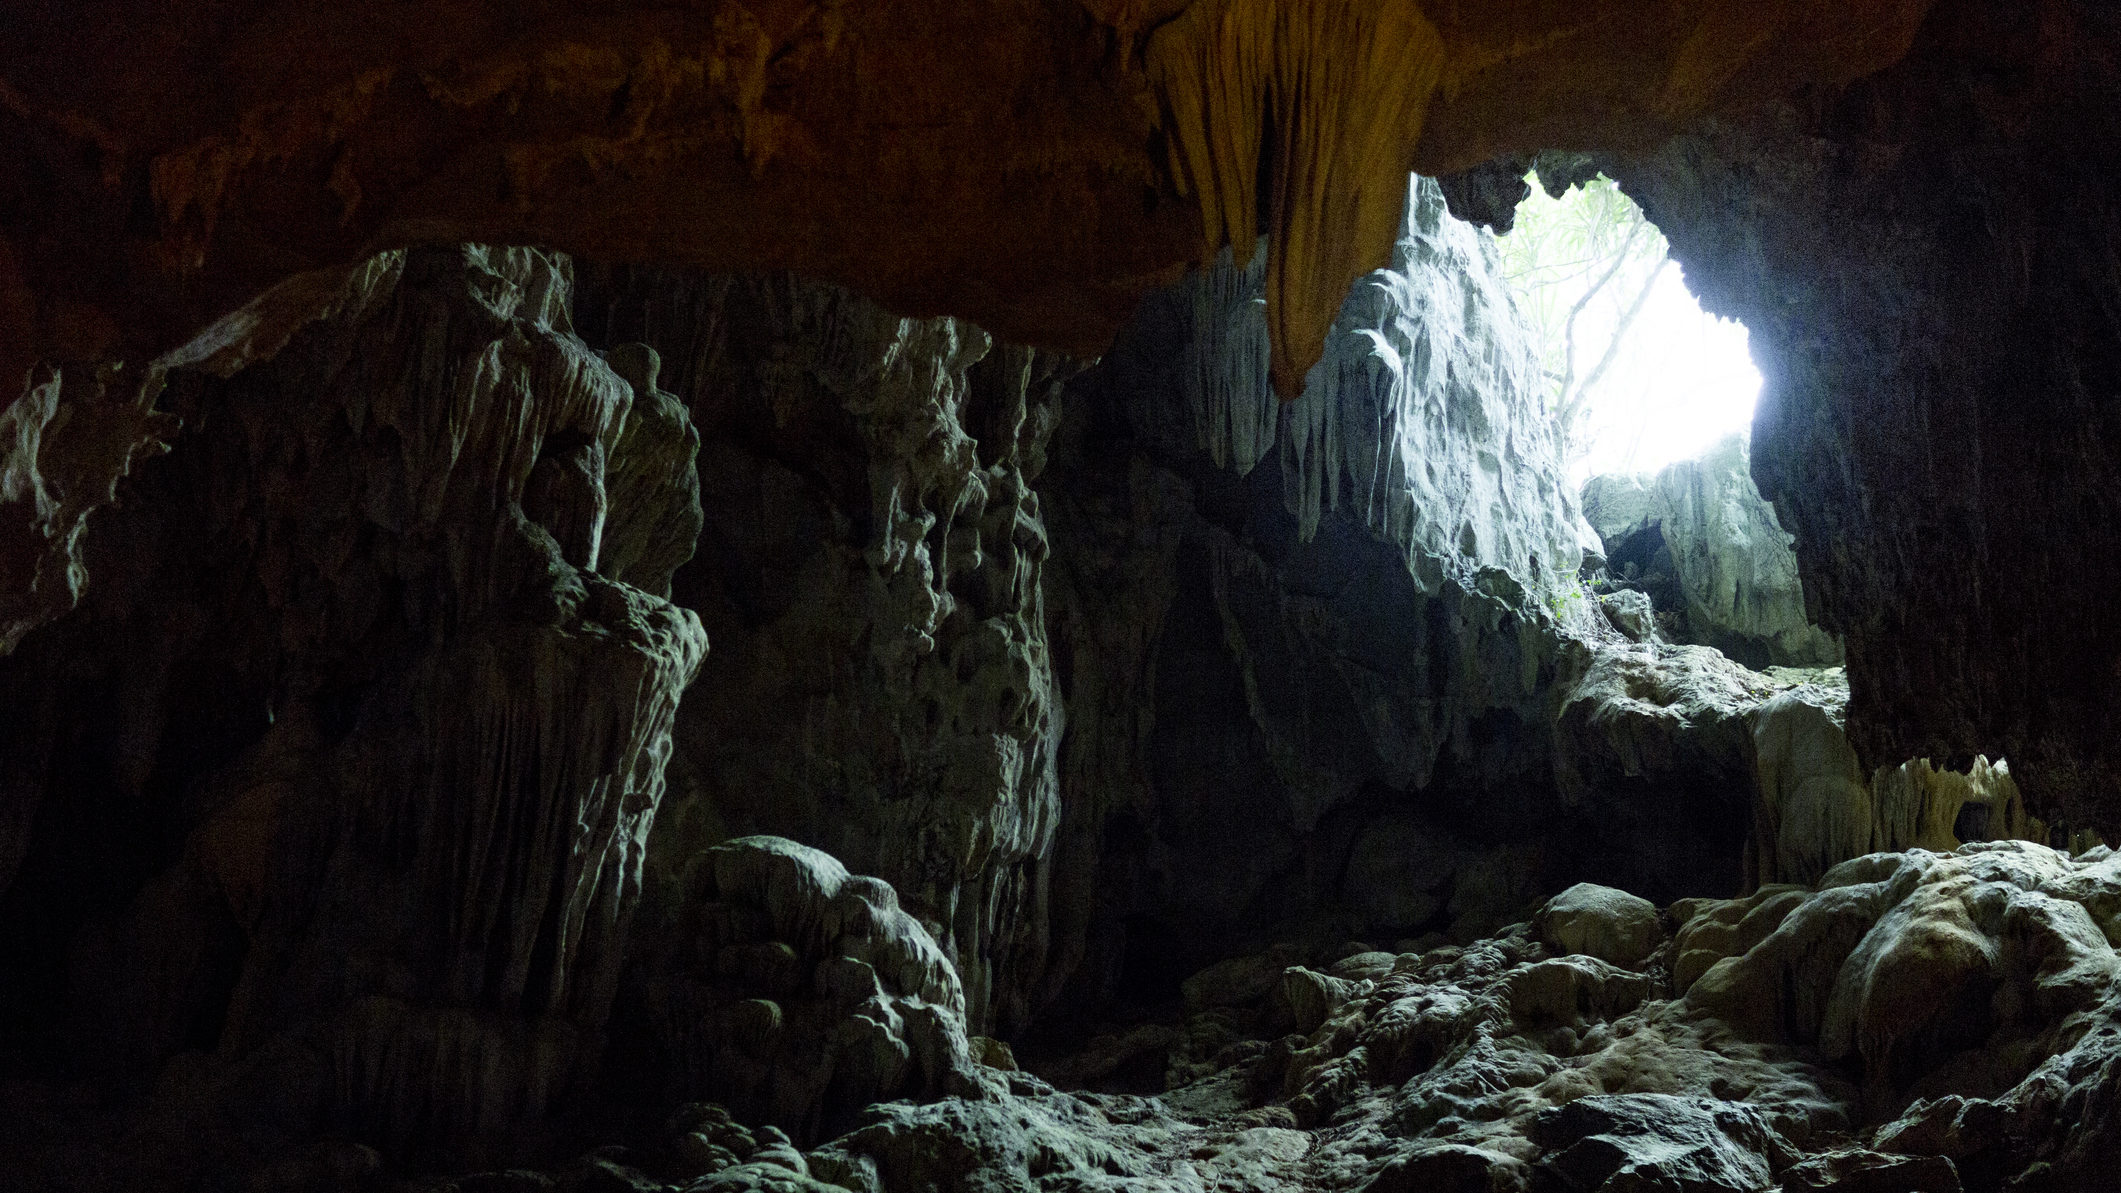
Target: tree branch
x=1568, y=327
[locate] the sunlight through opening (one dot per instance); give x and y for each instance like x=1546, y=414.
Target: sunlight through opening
x=1638, y=374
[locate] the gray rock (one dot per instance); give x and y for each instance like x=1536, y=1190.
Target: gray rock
x=1860, y=1171
x=795, y=994
x=1631, y=612
x=872, y=556
x=1731, y=572
x=1035, y=1139
x=1601, y=922
x=1656, y=1143
x=1451, y=1168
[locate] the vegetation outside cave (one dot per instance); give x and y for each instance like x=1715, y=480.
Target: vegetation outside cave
x=1637, y=374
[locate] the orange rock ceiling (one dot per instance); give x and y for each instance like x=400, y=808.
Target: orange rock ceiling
x=1033, y=165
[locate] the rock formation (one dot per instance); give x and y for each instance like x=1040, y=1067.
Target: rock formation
x=1698, y=537
x=174, y=198
x=1925, y=280
x=1316, y=651
x=176, y=152
x=794, y=994
x=1916, y=1021
x=870, y=571
x=1221, y=726
x=340, y=783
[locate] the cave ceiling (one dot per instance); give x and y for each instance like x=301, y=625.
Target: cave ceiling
x=1032, y=164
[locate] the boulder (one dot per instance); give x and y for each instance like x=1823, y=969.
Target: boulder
x=1640, y=1143
x=1601, y=922
x=795, y=993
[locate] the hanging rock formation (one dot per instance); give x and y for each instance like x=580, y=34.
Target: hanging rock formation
x=1700, y=538
x=1207, y=744
x=179, y=154
x=1316, y=655
x=175, y=194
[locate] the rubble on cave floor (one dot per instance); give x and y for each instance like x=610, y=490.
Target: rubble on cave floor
x=1916, y=1021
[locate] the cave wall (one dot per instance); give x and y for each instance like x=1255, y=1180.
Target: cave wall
x=1929, y=268
x=870, y=571
x=1700, y=540
x=1327, y=668
x=340, y=786
x=1932, y=233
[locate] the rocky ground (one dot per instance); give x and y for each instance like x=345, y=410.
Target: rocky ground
x=1915, y=1022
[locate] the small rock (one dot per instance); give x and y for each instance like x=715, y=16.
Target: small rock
x=1630, y=612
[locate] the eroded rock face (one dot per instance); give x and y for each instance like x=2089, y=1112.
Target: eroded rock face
x=792, y=993
x=1813, y=807
x=1916, y=1022
x=160, y=169
x=1925, y=271
x=1313, y=648
x=389, y=681
x=870, y=570
x=1698, y=535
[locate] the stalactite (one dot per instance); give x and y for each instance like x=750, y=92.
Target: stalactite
x=1331, y=94
x=1423, y=417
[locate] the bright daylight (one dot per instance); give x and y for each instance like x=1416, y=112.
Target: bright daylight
x=1638, y=374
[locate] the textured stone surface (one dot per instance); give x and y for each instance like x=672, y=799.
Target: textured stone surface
x=1656, y=1141
x=871, y=573
x=1656, y=742
x=1699, y=534
x=1501, y=1067
x=793, y=993
x=1421, y=418
x=1601, y=922
x=324, y=807
x=1813, y=807
x=1934, y=427
x=163, y=168
x=390, y=727
x=1377, y=583
x=160, y=168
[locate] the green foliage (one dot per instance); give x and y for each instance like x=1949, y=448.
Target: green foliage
x=1582, y=266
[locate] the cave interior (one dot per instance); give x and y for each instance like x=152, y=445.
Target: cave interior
x=776, y=596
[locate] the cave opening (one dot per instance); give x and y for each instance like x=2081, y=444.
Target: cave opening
x=1638, y=375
